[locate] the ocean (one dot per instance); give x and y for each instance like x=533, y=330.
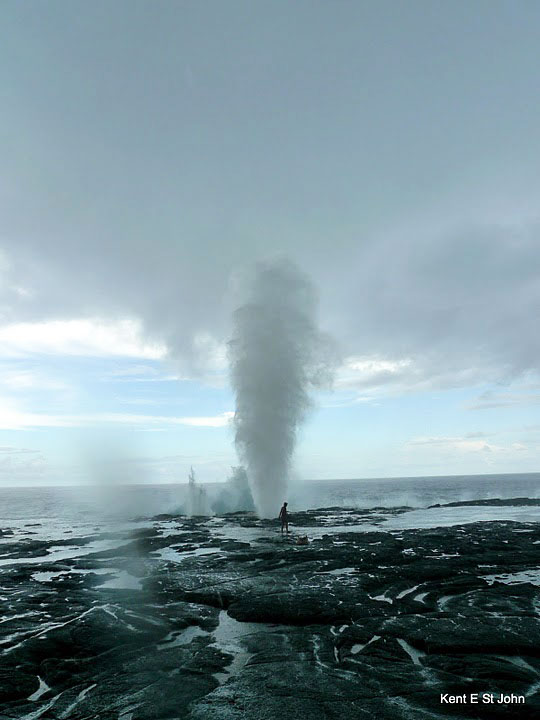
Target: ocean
x=45, y=512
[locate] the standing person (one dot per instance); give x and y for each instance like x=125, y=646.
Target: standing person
x=284, y=517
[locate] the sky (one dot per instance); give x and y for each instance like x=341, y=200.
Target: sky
x=151, y=152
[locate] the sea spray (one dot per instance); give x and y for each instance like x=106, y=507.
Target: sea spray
x=197, y=499
x=277, y=354
x=234, y=495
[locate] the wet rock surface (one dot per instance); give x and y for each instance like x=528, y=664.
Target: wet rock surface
x=223, y=618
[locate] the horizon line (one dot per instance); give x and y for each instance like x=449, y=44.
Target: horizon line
x=314, y=480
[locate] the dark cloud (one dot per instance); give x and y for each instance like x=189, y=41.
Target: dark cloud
x=148, y=156
x=462, y=306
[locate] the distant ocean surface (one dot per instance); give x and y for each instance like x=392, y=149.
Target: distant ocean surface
x=82, y=508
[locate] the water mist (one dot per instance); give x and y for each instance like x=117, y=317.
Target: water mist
x=277, y=355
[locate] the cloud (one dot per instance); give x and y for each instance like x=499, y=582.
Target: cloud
x=410, y=313
x=150, y=209
x=470, y=443
x=490, y=399
x=24, y=380
x=459, y=304
x=88, y=337
x=214, y=421
x=140, y=374
x=440, y=309
x=365, y=372
x=14, y=419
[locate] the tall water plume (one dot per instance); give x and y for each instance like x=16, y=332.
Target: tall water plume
x=277, y=354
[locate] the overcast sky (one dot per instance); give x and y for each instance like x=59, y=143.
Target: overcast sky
x=151, y=151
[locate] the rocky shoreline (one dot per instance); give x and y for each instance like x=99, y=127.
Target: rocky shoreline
x=222, y=618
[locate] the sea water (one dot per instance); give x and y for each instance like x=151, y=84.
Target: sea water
x=46, y=512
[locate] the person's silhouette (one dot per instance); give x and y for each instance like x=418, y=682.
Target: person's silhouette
x=284, y=517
